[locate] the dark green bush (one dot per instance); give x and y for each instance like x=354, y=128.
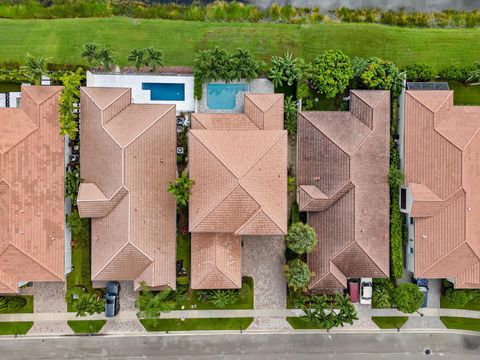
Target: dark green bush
x=455, y=72
x=396, y=251
x=460, y=297
x=419, y=72
x=408, y=298
x=382, y=297
x=182, y=280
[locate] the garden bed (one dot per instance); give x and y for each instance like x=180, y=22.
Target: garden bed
x=27, y=308
x=86, y=326
x=197, y=324
x=460, y=323
x=15, y=328
x=389, y=322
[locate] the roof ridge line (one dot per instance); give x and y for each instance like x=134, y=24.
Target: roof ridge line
x=34, y=260
x=149, y=126
x=110, y=103
x=370, y=257
x=258, y=107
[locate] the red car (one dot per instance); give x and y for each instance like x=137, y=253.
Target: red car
x=354, y=290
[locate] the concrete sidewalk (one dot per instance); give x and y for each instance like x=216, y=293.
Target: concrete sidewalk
x=363, y=312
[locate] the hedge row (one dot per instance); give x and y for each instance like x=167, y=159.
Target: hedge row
x=423, y=72
x=443, y=19
x=228, y=11
x=396, y=251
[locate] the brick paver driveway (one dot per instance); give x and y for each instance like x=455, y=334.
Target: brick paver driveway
x=263, y=259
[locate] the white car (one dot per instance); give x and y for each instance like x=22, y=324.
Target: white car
x=366, y=289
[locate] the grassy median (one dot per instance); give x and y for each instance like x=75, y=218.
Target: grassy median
x=197, y=324
x=86, y=326
x=60, y=40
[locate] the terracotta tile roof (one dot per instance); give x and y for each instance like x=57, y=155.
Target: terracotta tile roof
x=239, y=165
x=342, y=177
x=216, y=260
x=442, y=146
x=31, y=190
x=127, y=159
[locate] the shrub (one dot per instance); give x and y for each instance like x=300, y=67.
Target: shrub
x=408, y=298
x=395, y=180
x=223, y=298
x=301, y=238
x=15, y=303
x=419, y=72
x=382, y=297
x=290, y=115
x=88, y=304
x=182, y=280
x=455, y=73
x=460, y=297
x=3, y=304
x=297, y=274
x=376, y=73
x=76, y=224
x=180, y=188
x=295, y=214
x=331, y=73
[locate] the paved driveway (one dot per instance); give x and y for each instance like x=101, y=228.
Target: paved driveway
x=48, y=296
x=263, y=259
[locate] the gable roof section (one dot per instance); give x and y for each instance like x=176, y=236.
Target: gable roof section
x=216, y=259
x=342, y=173
x=442, y=172
x=127, y=159
x=31, y=190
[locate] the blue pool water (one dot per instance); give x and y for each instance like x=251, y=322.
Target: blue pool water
x=223, y=96
x=165, y=92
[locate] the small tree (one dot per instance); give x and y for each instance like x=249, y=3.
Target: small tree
x=105, y=58
x=286, y=69
x=419, y=72
x=301, y=238
x=331, y=73
x=90, y=53
x=154, y=58
x=297, y=274
x=347, y=313
x=180, y=188
x=88, y=304
x=35, y=66
x=150, y=304
x=137, y=57
x=290, y=115
x=245, y=65
x=408, y=297
x=376, y=73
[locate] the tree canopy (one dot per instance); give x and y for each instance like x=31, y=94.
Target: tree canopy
x=301, y=238
x=331, y=73
x=297, y=274
x=408, y=297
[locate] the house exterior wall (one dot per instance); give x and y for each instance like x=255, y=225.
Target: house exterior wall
x=139, y=96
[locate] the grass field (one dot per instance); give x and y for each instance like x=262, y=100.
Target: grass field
x=60, y=40
x=86, y=326
x=197, y=324
x=299, y=323
x=460, y=323
x=465, y=94
x=389, y=322
x=15, y=328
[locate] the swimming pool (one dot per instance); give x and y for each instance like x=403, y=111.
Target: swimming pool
x=223, y=96
x=165, y=92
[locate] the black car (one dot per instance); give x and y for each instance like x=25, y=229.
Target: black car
x=112, y=299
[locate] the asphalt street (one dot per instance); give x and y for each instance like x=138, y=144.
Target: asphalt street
x=293, y=346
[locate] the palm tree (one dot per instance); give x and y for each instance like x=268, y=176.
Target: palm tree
x=245, y=65
x=276, y=75
x=90, y=53
x=105, y=58
x=347, y=312
x=180, y=188
x=150, y=304
x=154, y=58
x=35, y=66
x=87, y=304
x=137, y=57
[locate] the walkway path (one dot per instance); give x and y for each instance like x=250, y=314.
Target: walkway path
x=363, y=312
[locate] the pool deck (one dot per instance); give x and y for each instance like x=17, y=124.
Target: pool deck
x=259, y=86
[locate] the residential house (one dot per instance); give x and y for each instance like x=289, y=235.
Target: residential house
x=238, y=162
x=342, y=178
x=32, y=171
x=127, y=159
x=441, y=165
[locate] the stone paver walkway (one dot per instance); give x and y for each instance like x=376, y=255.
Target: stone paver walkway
x=263, y=259
x=48, y=296
x=50, y=328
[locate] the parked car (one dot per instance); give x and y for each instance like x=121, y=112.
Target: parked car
x=112, y=299
x=423, y=287
x=353, y=290
x=366, y=289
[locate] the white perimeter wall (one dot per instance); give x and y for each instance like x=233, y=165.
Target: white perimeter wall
x=139, y=96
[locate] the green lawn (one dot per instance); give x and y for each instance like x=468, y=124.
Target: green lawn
x=460, y=323
x=465, y=94
x=299, y=323
x=15, y=328
x=183, y=250
x=59, y=40
x=197, y=324
x=86, y=326
x=80, y=274
x=389, y=322
x=9, y=87
x=245, y=301
x=472, y=305
x=28, y=308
